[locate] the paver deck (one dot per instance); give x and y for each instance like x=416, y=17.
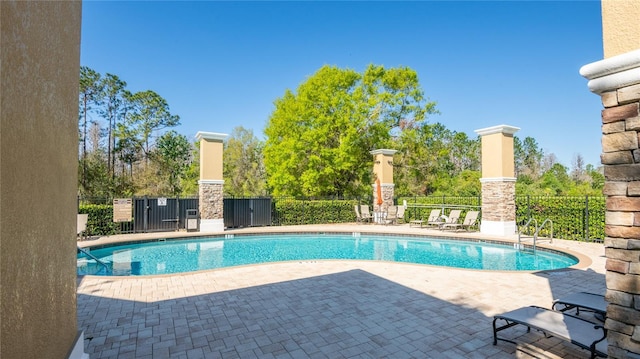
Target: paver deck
x=326, y=309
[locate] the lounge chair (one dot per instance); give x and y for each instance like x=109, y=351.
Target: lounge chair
x=452, y=218
x=576, y=330
x=400, y=215
x=392, y=215
x=432, y=220
x=470, y=220
x=356, y=208
x=365, y=214
x=582, y=300
x=82, y=226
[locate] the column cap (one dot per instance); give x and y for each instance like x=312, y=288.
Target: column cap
x=383, y=151
x=506, y=129
x=211, y=136
x=613, y=73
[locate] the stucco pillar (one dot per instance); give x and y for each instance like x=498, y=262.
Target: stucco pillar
x=383, y=171
x=617, y=81
x=498, y=181
x=211, y=181
x=39, y=75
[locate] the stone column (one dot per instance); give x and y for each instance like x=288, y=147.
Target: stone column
x=211, y=181
x=498, y=181
x=383, y=171
x=617, y=81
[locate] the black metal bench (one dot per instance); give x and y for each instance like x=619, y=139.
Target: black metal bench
x=576, y=330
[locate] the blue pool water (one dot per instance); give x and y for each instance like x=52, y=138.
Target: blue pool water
x=187, y=255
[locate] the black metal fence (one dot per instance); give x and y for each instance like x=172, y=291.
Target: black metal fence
x=577, y=218
x=247, y=212
x=148, y=214
x=419, y=207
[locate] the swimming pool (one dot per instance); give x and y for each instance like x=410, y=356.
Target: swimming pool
x=188, y=255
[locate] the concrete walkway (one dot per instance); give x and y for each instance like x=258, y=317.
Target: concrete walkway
x=326, y=309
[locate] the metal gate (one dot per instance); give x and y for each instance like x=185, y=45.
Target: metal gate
x=161, y=214
x=247, y=212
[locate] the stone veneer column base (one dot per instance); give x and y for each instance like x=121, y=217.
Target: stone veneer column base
x=498, y=228
x=212, y=225
x=617, y=81
x=498, y=206
x=211, y=203
x=387, y=190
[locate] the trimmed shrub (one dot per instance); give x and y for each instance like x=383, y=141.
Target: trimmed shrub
x=295, y=211
x=576, y=218
x=100, y=220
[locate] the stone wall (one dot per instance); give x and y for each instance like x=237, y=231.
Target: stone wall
x=621, y=160
x=211, y=200
x=499, y=201
x=387, y=196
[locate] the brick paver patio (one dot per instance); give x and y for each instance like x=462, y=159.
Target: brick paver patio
x=326, y=309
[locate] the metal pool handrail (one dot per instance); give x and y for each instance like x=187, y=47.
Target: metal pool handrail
x=535, y=235
x=94, y=258
x=542, y=225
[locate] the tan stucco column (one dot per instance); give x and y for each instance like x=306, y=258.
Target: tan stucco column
x=39, y=75
x=211, y=181
x=383, y=171
x=498, y=181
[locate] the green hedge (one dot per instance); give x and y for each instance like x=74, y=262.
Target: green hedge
x=294, y=211
x=100, y=219
x=576, y=218
x=426, y=204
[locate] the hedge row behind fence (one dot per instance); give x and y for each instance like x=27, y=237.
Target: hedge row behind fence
x=294, y=211
x=575, y=218
x=420, y=207
x=100, y=219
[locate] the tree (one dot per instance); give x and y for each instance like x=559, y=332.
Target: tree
x=548, y=161
x=556, y=181
x=578, y=173
x=149, y=113
x=319, y=138
x=418, y=163
x=89, y=97
x=172, y=154
x=244, y=171
x=191, y=175
x=464, y=153
x=115, y=104
x=528, y=157
x=597, y=178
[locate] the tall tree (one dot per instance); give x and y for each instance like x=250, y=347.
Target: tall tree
x=578, y=171
x=244, y=171
x=532, y=156
x=113, y=110
x=191, y=175
x=172, y=153
x=89, y=98
x=319, y=138
x=555, y=181
x=149, y=113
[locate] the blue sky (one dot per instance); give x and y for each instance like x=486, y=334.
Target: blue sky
x=222, y=64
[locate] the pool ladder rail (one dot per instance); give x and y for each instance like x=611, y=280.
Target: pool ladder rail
x=535, y=234
x=88, y=254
